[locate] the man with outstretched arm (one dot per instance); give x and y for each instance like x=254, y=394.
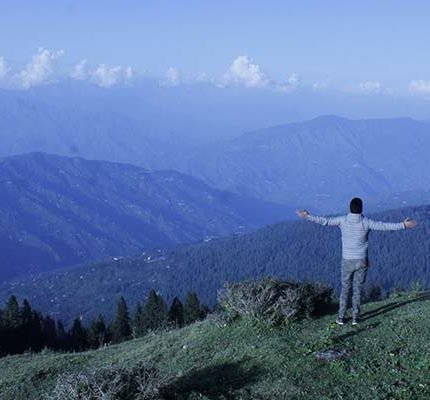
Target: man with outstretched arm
x=355, y=230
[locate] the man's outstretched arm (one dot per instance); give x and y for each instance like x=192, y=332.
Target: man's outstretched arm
x=329, y=221
x=391, y=226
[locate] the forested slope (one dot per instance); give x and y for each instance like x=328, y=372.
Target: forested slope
x=294, y=250
x=59, y=211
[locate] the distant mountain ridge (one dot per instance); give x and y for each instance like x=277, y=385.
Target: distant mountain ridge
x=145, y=124
x=57, y=211
x=82, y=125
x=324, y=161
x=292, y=250
x=319, y=163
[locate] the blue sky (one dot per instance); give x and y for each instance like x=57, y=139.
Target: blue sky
x=373, y=46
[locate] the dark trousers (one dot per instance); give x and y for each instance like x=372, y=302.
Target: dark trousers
x=354, y=274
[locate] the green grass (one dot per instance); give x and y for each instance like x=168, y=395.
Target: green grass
x=389, y=359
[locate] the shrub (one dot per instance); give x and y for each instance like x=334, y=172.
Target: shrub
x=416, y=287
x=112, y=383
x=373, y=293
x=274, y=301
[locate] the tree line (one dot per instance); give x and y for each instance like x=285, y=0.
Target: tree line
x=24, y=329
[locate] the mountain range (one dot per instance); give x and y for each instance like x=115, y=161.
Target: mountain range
x=185, y=179
x=323, y=162
x=58, y=211
x=149, y=124
x=320, y=163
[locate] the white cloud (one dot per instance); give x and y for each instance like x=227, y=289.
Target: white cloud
x=128, y=74
x=80, y=71
x=244, y=72
x=370, y=87
x=40, y=70
x=103, y=75
x=294, y=80
x=173, y=77
x=419, y=87
x=320, y=85
x=106, y=76
x=291, y=84
x=203, y=77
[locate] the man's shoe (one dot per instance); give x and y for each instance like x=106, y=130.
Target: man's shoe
x=339, y=321
x=355, y=322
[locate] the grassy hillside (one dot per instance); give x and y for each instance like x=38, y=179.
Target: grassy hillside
x=388, y=359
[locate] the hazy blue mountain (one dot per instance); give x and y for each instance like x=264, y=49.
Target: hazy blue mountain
x=323, y=162
x=57, y=211
x=156, y=126
x=147, y=124
x=293, y=250
x=319, y=163
x=82, y=120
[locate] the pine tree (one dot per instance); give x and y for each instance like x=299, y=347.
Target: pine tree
x=121, y=329
x=2, y=335
x=26, y=312
x=139, y=321
x=175, y=316
x=26, y=320
x=155, y=312
x=49, y=332
x=192, y=308
x=12, y=327
x=36, y=340
x=78, y=336
x=63, y=342
x=97, y=334
x=11, y=314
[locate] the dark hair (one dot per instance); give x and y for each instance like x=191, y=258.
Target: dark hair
x=356, y=205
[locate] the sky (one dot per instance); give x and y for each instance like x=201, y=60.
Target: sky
x=372, y=47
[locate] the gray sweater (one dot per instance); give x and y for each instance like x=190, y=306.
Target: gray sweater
x=355, y=230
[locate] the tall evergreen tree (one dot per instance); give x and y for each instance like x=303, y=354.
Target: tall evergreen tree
x=26, y=312
x=175, y=316
x=37, y=340
x=192, y=309
x=63, y=341
x=121, y=329
x=78, y=337
x=12, y=328
x=26, y=325
x=11, y=314
x=97, y=334
x=155, y=312
x=49, y=332
x=2, y=335
x=139, y=321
